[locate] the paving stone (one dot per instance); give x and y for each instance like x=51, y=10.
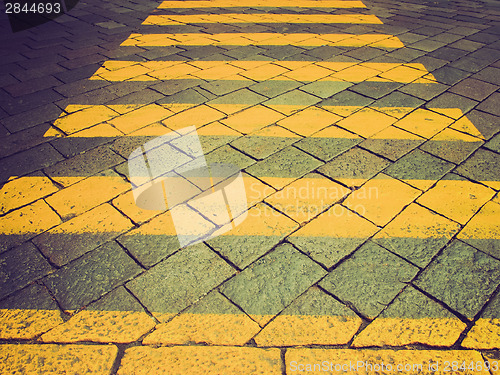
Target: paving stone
x=24, y=190
x=430, y=63
x=452, y=145
x=449, y=76
x=447, y=53
x=84, y=119
x=484, y=334
x=417, y=234
x=370, y=279
x=461, y=277
x=490, y=105
x=289, y=162
x=354, y=167
x=263, y=297
x=220, y=87
x=196, y=116
x=345, y=102
x=185, y=96
x=31, y=117
x=419, y=169
x=408, y=53
x=494, y=143
x=229, y=155
x=291, y=101
x=424, y=123
x=325, y=89
x=236, y=100
x=412, y=318
x=28, y=313
x=451, y=105
x=474, y=89
x=21, y=266
x=272, y=88
x=213, y=319
x=424, y=89
x=392, y=143
x=252, y=119
x=29, y=161
x=375, y=90
x=216, y=360
x=489, y=74
x=467, y=197
x=91, y=276
x=174, y=86
x=177, y=282
x=117, y=317
x=333, y=235
x=52, y=358
x=82, y=234
x=23, y=224
x=470, y=64
x=328, y=143
x=87, y=193
x=265, y=142
x=477, y=123
x=366, y=122
x=381, y=199
x=308, y=121
x=397, y=104
x=313, y=318
x=263, y=229
x=481, y=167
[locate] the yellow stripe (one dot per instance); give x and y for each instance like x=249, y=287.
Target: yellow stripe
x=162, y=20
x=247, y=39
x=262, y=3
x=115, y=71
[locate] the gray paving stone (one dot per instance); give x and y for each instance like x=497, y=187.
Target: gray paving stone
x=489, y=74
x=172, y=87
x=327, y=148
x=469, y=64
x=325, y=89
x=392, y=149
x=273, y=282
x=494, y=143
x=287, y=163
x=241, y=96
x=186, y=96
x=424, y=91
x=32, y=117
x=180, y=280
x=347, y=98
x=220, y=87
x=355, y=164
x=91, y=276
x=454, y=151
x=274, y=88
x=370, y=279
x=118, y=299
x=449, y=100
x=448, y=53
x=420, y=166
x=375, y=90
x=461, y=277
x=21, y=266
x=229, y=155
x=482, y=166
x=474, y=89
x=294, y=97
x=449, y=76
x=395, y=100
x=490, y=105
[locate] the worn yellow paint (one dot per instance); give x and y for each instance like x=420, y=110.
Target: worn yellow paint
x=423, y=122
x=195, y=116
x=366, y=122
x=35, y=218
x=27, y=323
x=101, y=326
x=306, y=198
x=289, y=330
x=405, y=331
x=465, y=125
x=215, y=329
x=86, y=194
x=381, y=199
x=403, y=74
x=364, y=361
x=20, y=191
x=484, y=225
x=246, y=39
x=251, y=119
x=125, y=203
x=140, y=117
x=84, y=118
x=200, y=360
x=458, y=200
x=57, y=359
x=309, y=121
x=261, y=3
x=418, y=222
x=163, y=20
x=484, y=335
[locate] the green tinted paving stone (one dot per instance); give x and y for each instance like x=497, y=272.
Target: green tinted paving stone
x=419, y=169
x=267, y=286
x=279, y=168
x=397, y=104
x=180, y=280
x=417, y=234
x=461, y=277
x=452, y=145
x=325, y=89
x=241, y=96
x=392, y=143
x=482, y=166
x=293, y=98
x=329, y=142
x=274, y=88
x=347, y=98
x=91, y=276
x=449, y=100
x=494, y=143
x=486, y=123
x=266, y=141
x=220, y=87
x=185, y=96
x=424, y=91
x=21, y=266
x=228, y=155
x=370, y=279
x=375, y=90
x=354, y=167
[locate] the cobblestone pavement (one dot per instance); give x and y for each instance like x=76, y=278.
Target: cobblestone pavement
x=368, y=133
